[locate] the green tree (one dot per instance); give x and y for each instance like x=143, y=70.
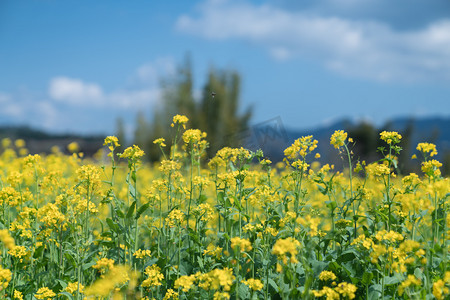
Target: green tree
x=120, y=134
x=216, y=112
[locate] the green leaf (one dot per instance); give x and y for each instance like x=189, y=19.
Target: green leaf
x=120, y=213
x=68, y=295
x=389, y=280
x=70, y=259
x=142, y=209
x=367, y=278
x=418, y=273
x=348, y=256
x=131, y=209
x=374, y=292
x=114, y=227
x=87, y=265
x=322, y=189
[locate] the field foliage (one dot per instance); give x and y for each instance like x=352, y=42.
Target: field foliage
x=234, y=226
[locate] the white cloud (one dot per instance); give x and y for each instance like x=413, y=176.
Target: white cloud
x=75, y=91
x=134, y=99
x=143, y=89
x=364, y=48
x=10, y=108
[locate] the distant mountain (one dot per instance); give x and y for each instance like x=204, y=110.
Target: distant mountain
x=38, y=141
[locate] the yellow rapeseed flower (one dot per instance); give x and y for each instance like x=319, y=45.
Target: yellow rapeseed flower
x=17, y=295
x=254, y=284
x=73, y=147
x=142, y=253
x=104, y=264
x=103, y=287
x=338, y=138
x=5, y=278
x=242, y=244
x=44, y=293
x=427, y=148
x=346, y=290
x=133, y=153
x=170, y=294
x=286, y=246
x=7, y=239
x=154, y=276
x=327, y=275
x=410, y=280
x=72, y=287
x=390, y=137
x=185, y=282
x=112, y=142
x=160, y=142
x=179, y=119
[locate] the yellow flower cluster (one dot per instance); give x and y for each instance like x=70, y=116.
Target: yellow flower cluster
x=185, y=282
x=179, y=119
x=133, y=153
x=363, y=241
x=160, y=142
x=116, y=276
x=112, y=142
x=175, y=217
x=44, y=293
x=104, y=264
x=5, y=278
x=242, y=244
x=193, y=136
x=286, y=246
x=51, y=216
x=154, y=276
x=212, y=280
x=9, y=196
x=19, y=252
x=301, y=147
x=427, y=148
x=338, y=138
x=17, y=295
x=213, y=251
x=344, y=289
x=254, y=284
x=410, y=280
x=440, y=288
x=142, y=253
x=215, y=279
x=377, y=170
x=72, y=287
x=311, y=224
x=167, y=166
x=73, y=147
x=390, y=236
x=170, y=294
x=431, y=168
x=204, y=211
x=390, y=137
x=327, y=275
x=7, y=239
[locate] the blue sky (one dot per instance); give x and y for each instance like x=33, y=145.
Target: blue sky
x=76, y=66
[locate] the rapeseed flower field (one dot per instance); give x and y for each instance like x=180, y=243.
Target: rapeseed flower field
x=236, y=226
